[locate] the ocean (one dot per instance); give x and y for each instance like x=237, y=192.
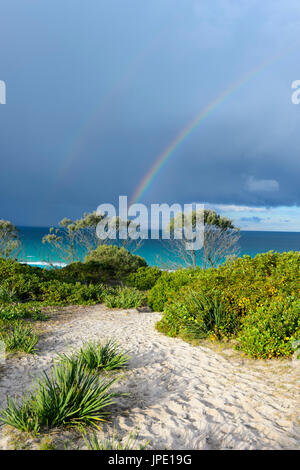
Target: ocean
x=155, y=252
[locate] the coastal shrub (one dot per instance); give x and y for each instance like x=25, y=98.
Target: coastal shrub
x=239, y=288
x=271, y=330
x=17, y=311
x=69, y=395
x=62, y=293
x=124, y=297
x=94, y=355
x=198, y=315
x=144, y=278
x=7, y=295
x=9, y=268
x=26, y=287
x=168, y=284
x=19, y=337
x=87, y=273
x=115, y=261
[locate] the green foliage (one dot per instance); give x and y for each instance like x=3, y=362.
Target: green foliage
x=51, y=287
x=144, y=278
x=26, y=287
x=78, y=283
x=72, y=239
x=201, y=316
x=209, y=217
x=62, y=293
x=69, y=395
x=20, y=415
x=21, y=311
x=115, y=261
x=47, y=444
x=7, y=295
x=113, y=443
x=167, y=285
x=296, y=348
x=86, y=273
x=271, y=330
x=9, y=240
x=222, y=302
x=19, y=337
x=124, y=297
x=100, y=357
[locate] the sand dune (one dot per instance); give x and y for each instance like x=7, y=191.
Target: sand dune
x=181, y=397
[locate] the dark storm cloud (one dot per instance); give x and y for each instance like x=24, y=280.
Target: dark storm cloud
x=96, y=93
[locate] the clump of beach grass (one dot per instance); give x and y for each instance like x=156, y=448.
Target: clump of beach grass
x=96, y=356
x=70, y=395
x=19, y=337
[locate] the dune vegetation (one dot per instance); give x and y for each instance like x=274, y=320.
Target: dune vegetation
x=252, y=301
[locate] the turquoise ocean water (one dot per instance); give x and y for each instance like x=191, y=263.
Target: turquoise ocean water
x=154, y=251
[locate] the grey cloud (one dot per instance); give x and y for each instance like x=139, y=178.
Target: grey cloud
x=261, y=185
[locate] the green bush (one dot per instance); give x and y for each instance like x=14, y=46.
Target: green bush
x=116, y=262
x=9, y=268
x=26, y=287
x=124, y=297
x=144, y=278
x=167, y=285
x=197, y=315
x=87, y=273
x=78, y=283
x=20, y=311
x=62, y=293
x=222, y=301
x=271, y=330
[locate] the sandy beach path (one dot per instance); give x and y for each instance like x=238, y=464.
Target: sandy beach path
x=181, y=397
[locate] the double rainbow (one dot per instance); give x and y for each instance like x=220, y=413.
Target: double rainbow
x=192, y=125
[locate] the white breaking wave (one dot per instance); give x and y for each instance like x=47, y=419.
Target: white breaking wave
x=43, y=263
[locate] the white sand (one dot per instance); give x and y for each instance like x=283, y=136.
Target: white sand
x=182, y=397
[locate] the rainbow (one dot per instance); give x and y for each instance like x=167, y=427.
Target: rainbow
x=192, y=125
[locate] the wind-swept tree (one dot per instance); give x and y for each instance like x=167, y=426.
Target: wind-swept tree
x=73, y=240
x=10, y=243
x=220, y=239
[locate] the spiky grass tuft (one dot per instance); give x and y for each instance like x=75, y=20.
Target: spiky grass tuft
x=96, y=356
x=70, y=395
x=19, y=337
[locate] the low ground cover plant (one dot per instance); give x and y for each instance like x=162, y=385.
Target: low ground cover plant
x=18, y=311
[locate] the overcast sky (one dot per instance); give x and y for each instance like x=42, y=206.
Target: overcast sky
x=97, y=89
